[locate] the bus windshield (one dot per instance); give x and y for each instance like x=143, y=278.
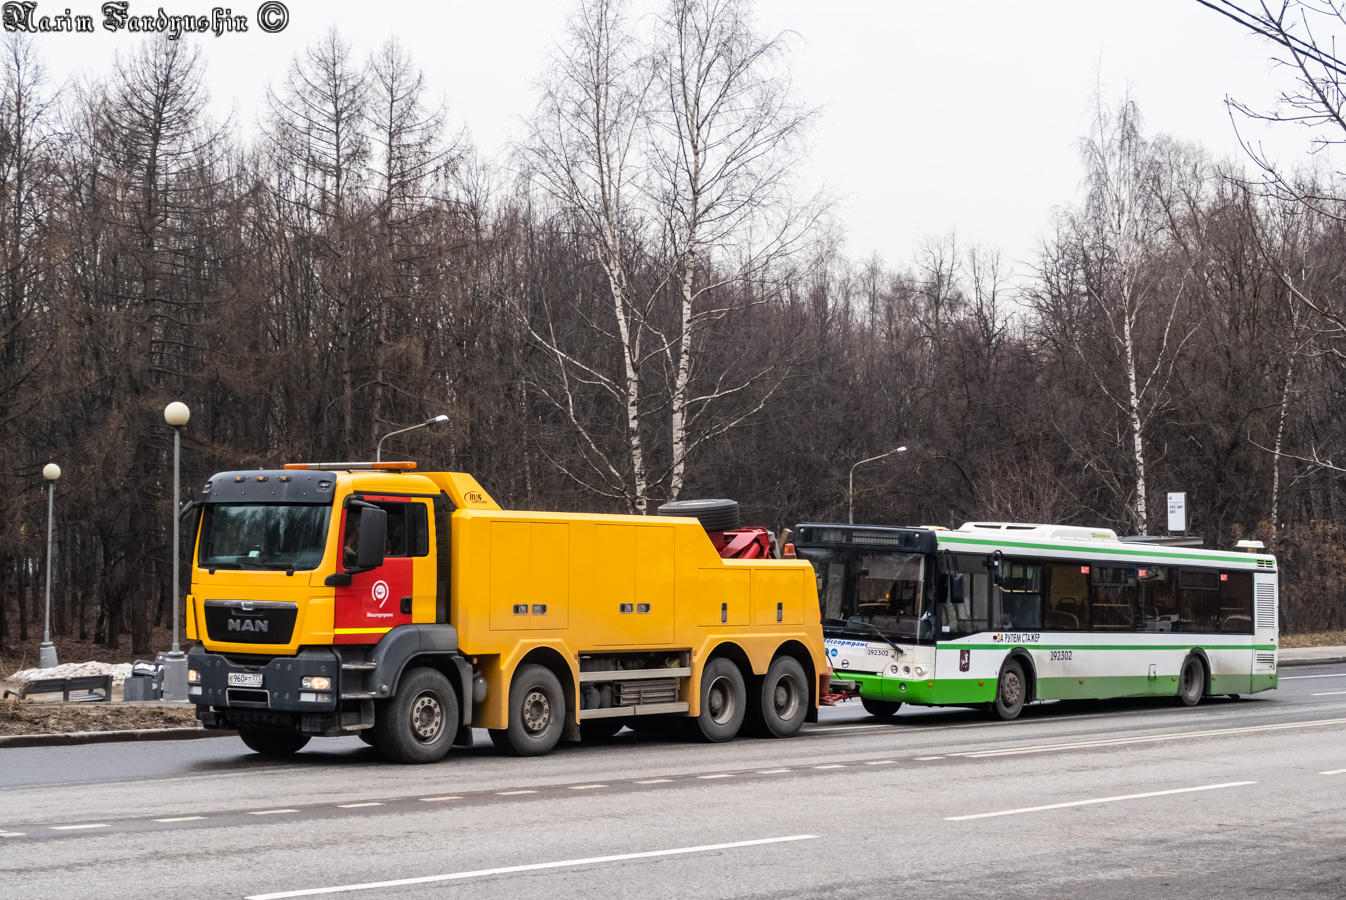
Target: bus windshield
x=263, y=536
x=863, y=591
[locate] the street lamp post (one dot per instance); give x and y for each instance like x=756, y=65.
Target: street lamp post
x=47, y=652
x=175, y=661
x=850, y=494
x=378, y=449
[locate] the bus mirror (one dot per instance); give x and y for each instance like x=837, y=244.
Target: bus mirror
x=993, y=566
x=373, y=538
x=958, y=588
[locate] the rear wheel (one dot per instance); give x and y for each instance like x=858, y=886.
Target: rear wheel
x=418, y=724
x=724, y=701
x=273, y=743
x=783, y=702
x=537, y=713
x=1191, y=681
x=881, y=708
x=1011, y=691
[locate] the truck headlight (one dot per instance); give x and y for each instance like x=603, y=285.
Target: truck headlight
x=193, y=676
x=316, y=683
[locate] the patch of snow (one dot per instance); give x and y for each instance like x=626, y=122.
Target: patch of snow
x=119, y=671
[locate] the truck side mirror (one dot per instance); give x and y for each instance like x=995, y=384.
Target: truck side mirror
x=373, y=538
x=958, y=588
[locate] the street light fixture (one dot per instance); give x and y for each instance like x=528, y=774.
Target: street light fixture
x=850, y=494
x=175, y=661
x=378, y=449
x=47, y=652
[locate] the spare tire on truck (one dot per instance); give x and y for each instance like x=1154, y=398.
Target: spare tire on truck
x=714, y=515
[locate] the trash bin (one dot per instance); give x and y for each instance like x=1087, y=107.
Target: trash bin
x=146, y=681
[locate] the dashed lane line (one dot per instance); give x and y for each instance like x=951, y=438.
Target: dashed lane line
x=513, y=793
x=357, y=805
x=1029, y=809
x=78, y=827
x=271, y=812
x=438, y=799
x=181, y=819
x=13, y=834
x=880, y=762
x=655, y=781
x=720, y=775
x=586, y=787
x=926, y=758
x=1328, y=694
x=1299, y=677
x=533, y=867
x=1334, y=772
x=830, y=766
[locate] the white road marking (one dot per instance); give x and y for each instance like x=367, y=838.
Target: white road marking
x=832, y=766
x=356, y=805
x=1334, y=772
x=773, y=771
x=655, y=781
x=271, y=812
x=1028, y=809
x=927, y=758
x=76, y=827
x=513, y=793
x=1298, y=677
x=888, y=762
x=586, y=787
x=831, y=728
x=181, y=819
x=1144, y=739
x=721, y=775
x=532, y=867
x=1328, y=694
x=437, y=799
x=12, y=834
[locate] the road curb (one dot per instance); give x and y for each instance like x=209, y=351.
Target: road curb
x=1311, y=661
x=108, y=737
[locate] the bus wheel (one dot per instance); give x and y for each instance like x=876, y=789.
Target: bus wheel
x=273, y=743
x=1191, y=681
x=598, y=731
x=724, y=700
x=418, y=724
x=784, y=698
x=537, y=713
x=1011, y=691
x=881, y=708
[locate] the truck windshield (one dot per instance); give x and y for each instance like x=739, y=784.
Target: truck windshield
x=864, y=592
x=263, y=536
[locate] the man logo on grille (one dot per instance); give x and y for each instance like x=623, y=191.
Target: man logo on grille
x=380, y=592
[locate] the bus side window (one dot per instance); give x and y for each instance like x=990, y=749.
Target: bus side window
x=1067, y=593
x=1019, y=596
x=1112, y=598
x=1236, y=602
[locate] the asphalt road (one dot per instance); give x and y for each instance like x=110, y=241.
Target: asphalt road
x=1104, y=800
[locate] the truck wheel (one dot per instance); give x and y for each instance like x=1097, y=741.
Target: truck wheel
x=883, y=709
x=724, y=701
x=1011, y=691
x=784, y=698
x=273, y=743
x=418, y=724
x=714, y=515
x=537, y=713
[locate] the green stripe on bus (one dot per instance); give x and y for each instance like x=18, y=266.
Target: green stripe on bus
x=1254, y=562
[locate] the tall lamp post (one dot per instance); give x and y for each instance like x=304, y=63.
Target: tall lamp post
x=850, y=494
x=175, y=661
x=47, y=652
x=378, y=449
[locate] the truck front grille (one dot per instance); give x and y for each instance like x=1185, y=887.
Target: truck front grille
x=250, y=621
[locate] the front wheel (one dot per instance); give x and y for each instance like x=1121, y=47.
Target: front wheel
x=883, y=709
x=537, y=713
x=418, y=724
x=724, y=701
x=273, y=743
x=783, y=702
x=1011, y=691
x=1191, y=681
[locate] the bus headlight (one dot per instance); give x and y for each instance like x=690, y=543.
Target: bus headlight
x=316, y=683
x=920, y=670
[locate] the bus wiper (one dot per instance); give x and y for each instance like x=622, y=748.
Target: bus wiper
x=883, y=637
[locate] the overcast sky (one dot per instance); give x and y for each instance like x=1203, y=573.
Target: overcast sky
x=938, y=116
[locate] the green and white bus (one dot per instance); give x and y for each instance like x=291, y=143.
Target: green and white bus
x=1002, y=614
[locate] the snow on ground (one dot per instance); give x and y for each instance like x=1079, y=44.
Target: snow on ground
x=119, y=671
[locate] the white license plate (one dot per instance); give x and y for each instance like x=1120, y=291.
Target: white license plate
x=245, y=679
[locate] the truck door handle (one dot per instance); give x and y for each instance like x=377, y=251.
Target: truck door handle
x=724, y=613
x=780, y=612
x=406, y=606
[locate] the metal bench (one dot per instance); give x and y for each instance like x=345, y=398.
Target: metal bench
x=96, y=688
